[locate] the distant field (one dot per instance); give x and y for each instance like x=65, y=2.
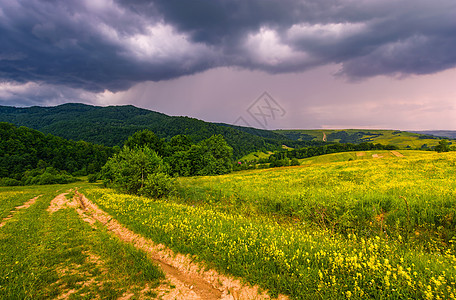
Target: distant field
x=255, y=156
x=360, y=155
x=401, y=139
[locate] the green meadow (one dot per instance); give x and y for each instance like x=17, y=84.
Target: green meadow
x=355, y=225
x=379, y=227
x=49, y=255
x=401, y=139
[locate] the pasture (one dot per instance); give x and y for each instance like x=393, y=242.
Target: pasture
x=378, y=226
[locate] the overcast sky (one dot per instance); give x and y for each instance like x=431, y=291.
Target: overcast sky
x=322, y=63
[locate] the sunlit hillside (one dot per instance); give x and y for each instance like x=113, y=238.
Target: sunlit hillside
x=402, y=139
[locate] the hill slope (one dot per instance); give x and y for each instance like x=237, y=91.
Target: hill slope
x=401, y=139
x=451, y=134
x=112, y=125
x=23, y=149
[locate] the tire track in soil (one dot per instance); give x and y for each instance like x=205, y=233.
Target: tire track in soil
x=17, y=208
x=190, y=280
x=62, y=202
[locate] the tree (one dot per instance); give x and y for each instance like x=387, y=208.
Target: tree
x=146, y=138
x=294, y=162
x=212, y=156
x=157, y=185
x=442, y=146
x=216, y=147
x=129, y=169
x=180, y=143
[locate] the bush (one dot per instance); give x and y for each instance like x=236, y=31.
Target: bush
x=128, y=169
x=138, y=171
x=47, y=176
x=157, y=185
x=9, y=182
x=92, y=178
x=294, y=162
x=280, y=163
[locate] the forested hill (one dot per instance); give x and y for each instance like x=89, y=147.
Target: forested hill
x=451, y=134
x=25, y=153
x=112, y=125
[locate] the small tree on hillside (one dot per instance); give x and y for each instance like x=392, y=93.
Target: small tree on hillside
x=442, y=146
x=294, y=162
x=135, y=171
x=212, y=156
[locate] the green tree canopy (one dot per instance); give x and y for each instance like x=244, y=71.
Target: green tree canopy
x=443, y=146
x=146, y=138
x=23, y=149
x=128, y=169
x=211, y=156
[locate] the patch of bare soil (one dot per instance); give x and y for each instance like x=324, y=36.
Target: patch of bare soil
x=191, y=281
x=397, y=154
x=17, y=208
x=377, y=156
x=360, y=153
x=58, y=203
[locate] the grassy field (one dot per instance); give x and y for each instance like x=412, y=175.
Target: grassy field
x=380, y=228
x=46, y=255
x=300, y=262
x=360, y=155
x=401, y=139
x=377, y=226
x=416, y=190
x=255, y=156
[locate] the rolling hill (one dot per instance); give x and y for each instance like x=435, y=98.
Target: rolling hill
x=112, y=125
x=451, y=134
x=401, y=139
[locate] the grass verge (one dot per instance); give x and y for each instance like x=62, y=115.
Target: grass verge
x=46, y=255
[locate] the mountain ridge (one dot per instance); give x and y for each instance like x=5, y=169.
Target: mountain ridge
x=112, y=125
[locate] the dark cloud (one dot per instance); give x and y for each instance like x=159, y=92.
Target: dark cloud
x=95, y=46
x=105, y=44
x=30, y=94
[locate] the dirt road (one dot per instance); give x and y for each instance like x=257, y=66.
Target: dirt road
x=191, y=281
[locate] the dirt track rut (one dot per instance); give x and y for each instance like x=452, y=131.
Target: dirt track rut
x=17, y=208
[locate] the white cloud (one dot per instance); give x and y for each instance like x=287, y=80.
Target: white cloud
x=9, y=89
x=151, y=41
x=331, y=32
x=266, y=48
x=160, y=42
x=99, y=5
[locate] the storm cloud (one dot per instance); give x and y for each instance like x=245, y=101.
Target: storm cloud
x=98, y=45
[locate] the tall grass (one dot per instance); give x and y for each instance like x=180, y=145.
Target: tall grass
x=408, y=196
x=302, y=262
